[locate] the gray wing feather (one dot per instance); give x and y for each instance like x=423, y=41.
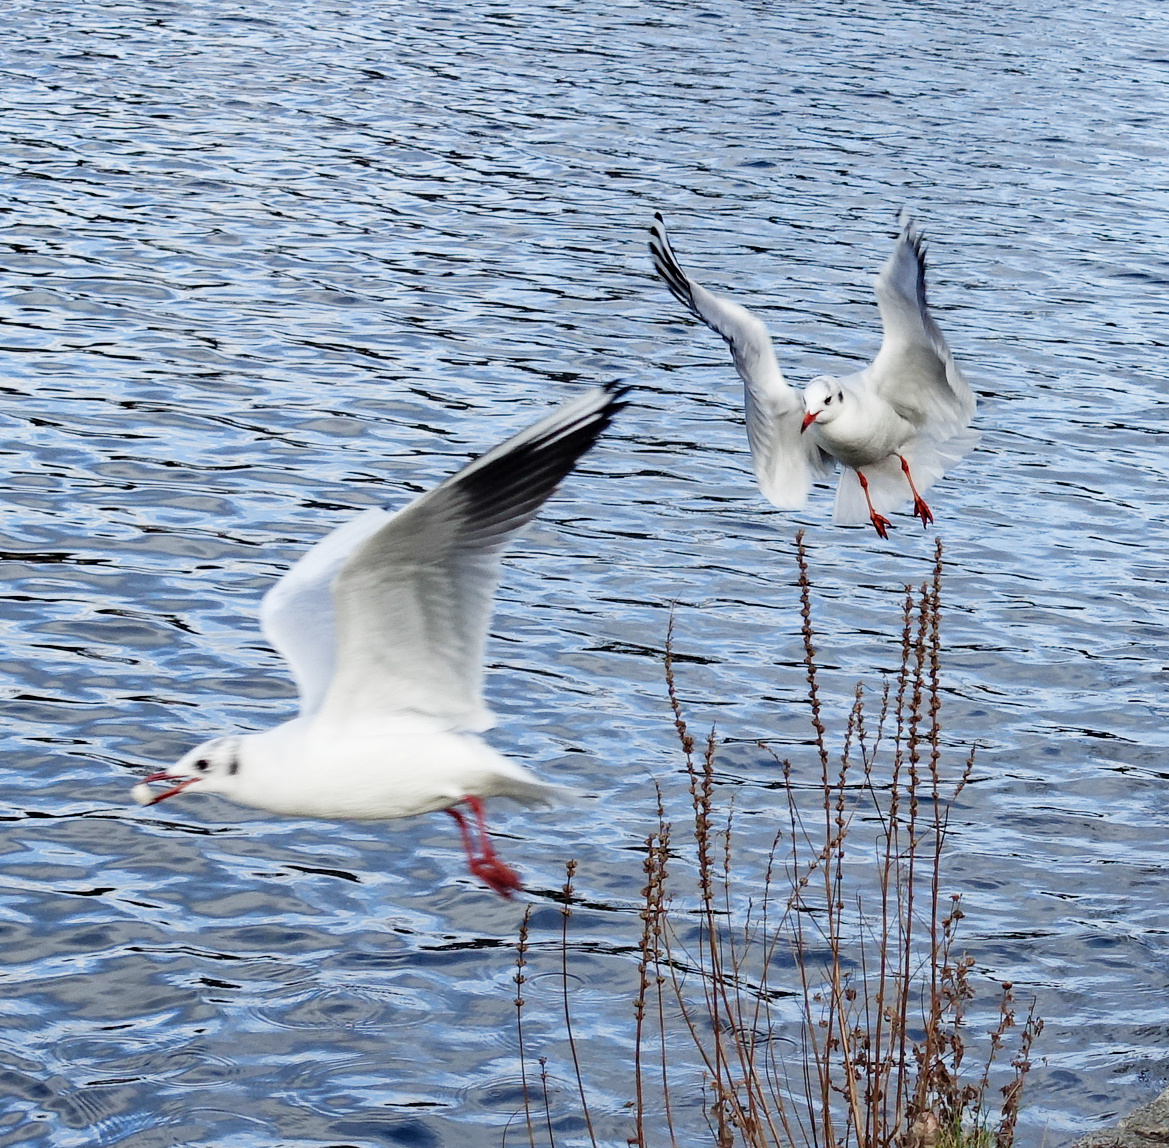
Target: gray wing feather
x=296, y=615
x=784, y=460
x=914, y=371
x=413, y=600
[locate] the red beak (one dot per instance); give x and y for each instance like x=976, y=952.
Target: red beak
x=809, y=419
x=183, y=782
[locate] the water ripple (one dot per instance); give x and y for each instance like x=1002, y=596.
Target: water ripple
x=267, y=267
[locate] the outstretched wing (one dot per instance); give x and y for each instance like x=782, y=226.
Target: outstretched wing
x=296, y=615
x=914, y=370
x=412, y=599
x=784, y=459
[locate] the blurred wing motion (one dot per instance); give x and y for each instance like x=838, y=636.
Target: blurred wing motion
x=390, y=612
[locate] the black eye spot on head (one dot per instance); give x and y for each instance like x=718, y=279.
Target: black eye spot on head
x=202, y=765
x=828, y=401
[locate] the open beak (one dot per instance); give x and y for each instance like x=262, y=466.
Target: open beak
x=809, y=419
x=183, y=782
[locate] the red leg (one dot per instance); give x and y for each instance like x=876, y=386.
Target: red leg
x=880, y=523
x=482, y=861
x=920, y=510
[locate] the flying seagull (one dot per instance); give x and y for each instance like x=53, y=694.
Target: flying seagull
x=895, y=427
x=383, y=624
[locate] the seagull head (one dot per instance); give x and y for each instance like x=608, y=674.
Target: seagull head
x=823, y=401
x=211, y=766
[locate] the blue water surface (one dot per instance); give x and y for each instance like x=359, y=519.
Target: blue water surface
x=265, y=265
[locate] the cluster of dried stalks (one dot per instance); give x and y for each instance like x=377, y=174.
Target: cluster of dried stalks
x=821, y=985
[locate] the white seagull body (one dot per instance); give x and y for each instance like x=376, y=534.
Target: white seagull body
x=384, y=623
x=896, y=427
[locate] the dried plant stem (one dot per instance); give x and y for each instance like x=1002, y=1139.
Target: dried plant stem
x=565, y=913
x=547, y=1105
x=519, y=978
x=858, y=946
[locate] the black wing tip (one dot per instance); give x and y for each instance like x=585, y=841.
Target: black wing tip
x=586, y=425
x=908, y=230
x=508, y=489
x=658, y=237
x=617, y=390
x=668, y=268
x=617, y=393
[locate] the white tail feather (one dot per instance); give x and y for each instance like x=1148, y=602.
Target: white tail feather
x=928, y=461
x=537, y=793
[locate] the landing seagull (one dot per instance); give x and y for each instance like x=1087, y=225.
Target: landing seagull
x=384, y=623
x=896, y=427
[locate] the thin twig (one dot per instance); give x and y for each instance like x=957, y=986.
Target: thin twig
x=520, y=964
x=565, y=913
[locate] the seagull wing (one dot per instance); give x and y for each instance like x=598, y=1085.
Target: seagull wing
x=784, y=459
x=412, y=599
x=914, y=370
x=296, y=615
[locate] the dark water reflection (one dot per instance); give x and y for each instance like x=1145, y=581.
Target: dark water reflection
x=267, y=265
